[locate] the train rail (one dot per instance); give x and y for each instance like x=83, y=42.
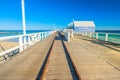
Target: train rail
x=58, y=63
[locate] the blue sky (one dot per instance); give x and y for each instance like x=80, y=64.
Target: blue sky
x=42, y=14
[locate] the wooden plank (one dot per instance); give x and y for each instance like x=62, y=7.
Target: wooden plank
x=58, y=68
x=26, y=65
x=89, y=65
x=109, y=52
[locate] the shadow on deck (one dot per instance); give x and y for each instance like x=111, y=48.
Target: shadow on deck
x=107, y=44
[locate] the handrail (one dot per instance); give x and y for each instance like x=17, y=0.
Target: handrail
x=31, y=40
x=8, y=37
x=102, y=36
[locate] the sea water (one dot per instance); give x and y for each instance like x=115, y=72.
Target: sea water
x=113, y=35
x=5, y=33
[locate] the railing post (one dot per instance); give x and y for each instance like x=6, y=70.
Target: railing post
x=90, y=35
x=25, y=42
x=20, y=44
x=42, y=35
x=96, y=35
x=45, y=34
x=34, y=36
x=29, y=43
x=106, y=37
x=82, y=34
x=38, y=36
x=68, y=36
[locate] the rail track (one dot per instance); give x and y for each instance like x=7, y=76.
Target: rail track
x=58, y=63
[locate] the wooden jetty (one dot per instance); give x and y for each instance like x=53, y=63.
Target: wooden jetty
x=52, y=58
x=58, y=67
x=26, y=65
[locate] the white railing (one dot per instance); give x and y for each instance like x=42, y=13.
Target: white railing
x=31, y=40
x=111, y=37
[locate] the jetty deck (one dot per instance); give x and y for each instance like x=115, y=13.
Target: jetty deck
x=89, y=64
x=58, y=67
x=47, y=60
x=26, y=65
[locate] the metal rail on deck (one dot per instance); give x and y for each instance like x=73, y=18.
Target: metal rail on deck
x=74, y=72
x=42, y=72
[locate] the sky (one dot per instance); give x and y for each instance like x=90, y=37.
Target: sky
x=56, y=14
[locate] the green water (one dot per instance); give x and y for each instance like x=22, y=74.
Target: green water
x=112, y=37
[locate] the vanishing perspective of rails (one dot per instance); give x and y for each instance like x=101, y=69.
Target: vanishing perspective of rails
x=54, y=58
x=58, y=64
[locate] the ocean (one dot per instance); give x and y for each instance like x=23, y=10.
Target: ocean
x=113, y=35
x=108, y=31
x=4, y=33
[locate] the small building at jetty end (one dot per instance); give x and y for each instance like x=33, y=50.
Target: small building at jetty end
x=82, y=26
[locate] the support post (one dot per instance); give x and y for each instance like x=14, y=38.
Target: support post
x=33, y=39
x=38, y=36
x=29, y=42
x=20, y=44
x=106, y=37
x=96, y=35
x=42, y=36
x=45, y=34
x=35, y=36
